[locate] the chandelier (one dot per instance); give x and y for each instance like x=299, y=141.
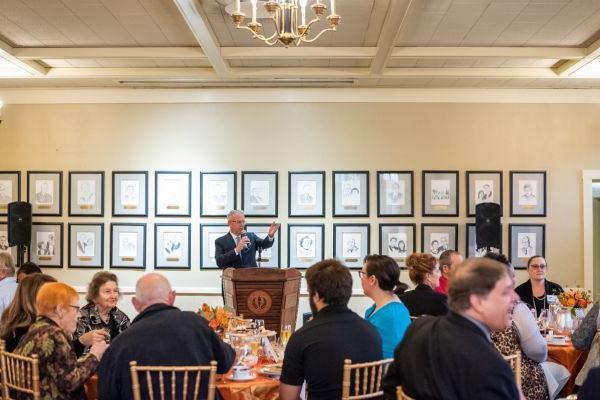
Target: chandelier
x=285, y=18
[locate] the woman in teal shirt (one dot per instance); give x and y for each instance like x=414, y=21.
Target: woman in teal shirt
x=379, y=276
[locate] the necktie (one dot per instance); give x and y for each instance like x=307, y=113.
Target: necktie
x=237, y=240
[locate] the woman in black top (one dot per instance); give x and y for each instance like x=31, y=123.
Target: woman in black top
x=535, y=291
x=22, y=312
x=424, y=271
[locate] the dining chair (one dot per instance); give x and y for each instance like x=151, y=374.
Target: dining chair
x=191, y=375
x=514, y=360
x=400, y=395
x=19, y=374
x=367, y=378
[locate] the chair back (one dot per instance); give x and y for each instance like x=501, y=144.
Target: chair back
x=400, y=395
x=19, y=374
x=167, y=377
x=515, y=364
x=366, y=377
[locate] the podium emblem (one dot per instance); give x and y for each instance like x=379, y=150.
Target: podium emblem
x=259, y=302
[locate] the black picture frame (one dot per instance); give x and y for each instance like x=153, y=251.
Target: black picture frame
x=454, y=228
x=60, y=246
x=272, y=212
x=204, y=248
x=411, y=249
x=524, y=210
x=364, y=199
x=70, y=235
x=185, y=226
x=185, y=213
x=351, y=262
x=72, y=213
x=117, y=175
x=321, y=231
x=143, y=226
x=426, y=201
x=521, y=262
x=469, y=195
x=380, y=196
x=291, y=214
x=59, y=176
x=232, y=175
x=17, y=178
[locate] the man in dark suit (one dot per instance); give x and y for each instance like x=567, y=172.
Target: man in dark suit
x=452, y=357
x=237, y=248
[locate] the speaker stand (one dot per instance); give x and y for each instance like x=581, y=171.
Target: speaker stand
x=20, y=255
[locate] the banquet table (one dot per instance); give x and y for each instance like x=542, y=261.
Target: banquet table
x=263, y=387
x=571, y=358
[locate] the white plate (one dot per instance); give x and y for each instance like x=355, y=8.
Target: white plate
x=243, y=378
x=269, y=372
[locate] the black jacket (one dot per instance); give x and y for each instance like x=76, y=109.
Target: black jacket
x=225, y=254
x=423, y=300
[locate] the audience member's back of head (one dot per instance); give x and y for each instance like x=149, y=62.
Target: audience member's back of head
x=419, y=265
x=54, y=294
x=152, y=288
x=331, y=280
x=501, y=258
x=475, y=276
x=385, y=269
x=28, y=268
x=446, y=257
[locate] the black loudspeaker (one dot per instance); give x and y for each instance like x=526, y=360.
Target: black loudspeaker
x=19, y=223
x=487, y=222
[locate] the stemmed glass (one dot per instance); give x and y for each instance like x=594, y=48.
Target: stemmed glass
x=260, y=325
x=543, y=321
x=286, y=332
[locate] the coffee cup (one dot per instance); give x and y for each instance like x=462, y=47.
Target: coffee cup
x=241, y=372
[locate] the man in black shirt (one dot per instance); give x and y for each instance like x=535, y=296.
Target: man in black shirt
x=316, y=352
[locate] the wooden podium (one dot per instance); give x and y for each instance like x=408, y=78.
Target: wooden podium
x=264, y=293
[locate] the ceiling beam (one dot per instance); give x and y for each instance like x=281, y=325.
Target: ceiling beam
x=166, y=73
x=197, y=21
x=562, y=53
x=31, y=67
x=471, y=72
x=301, y=72
x=297, y=52
x=48, y=53
x=391, y=28
x=591, y=53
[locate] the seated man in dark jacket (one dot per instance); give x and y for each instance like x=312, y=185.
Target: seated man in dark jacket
x=160, y=335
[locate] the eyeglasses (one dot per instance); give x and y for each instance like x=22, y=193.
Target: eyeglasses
x=75, y=307
x=361, y=273
x=537, y=266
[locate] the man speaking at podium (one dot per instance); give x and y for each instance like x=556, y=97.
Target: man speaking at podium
x=238, y=248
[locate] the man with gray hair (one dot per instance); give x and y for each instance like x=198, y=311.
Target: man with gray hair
x=452, y=356
x=238, y=248
x=161, y=334
x=8, y=282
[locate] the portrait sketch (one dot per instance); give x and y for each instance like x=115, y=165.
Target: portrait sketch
x=130, y=193
x=440, y=192
x=173, y=191
x=528, y=192
x=259, y=193
x=395, y=192
x=438, y=243
x=484, y=190
x=4, y=247
x=307, y=193
x=217, y=194
x=212, y=236
x=306, y=245
x=128, y=242
x=527, y=244
x=86, y=242
x=5, y=192
x=172, y=244
x=45, y=243
x=44, y=192
x=397, y=245
x=351, y=243
x=351, y=192
x=86, y=192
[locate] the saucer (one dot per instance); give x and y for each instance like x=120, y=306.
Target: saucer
x=250, y=377
x=271, y=370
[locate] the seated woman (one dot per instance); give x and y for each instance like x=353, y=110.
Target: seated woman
x=583, y=339
x=541, y=380
x=535, y=290
x=27, y=268
x=100, y=318
x=62, y=375
x=424, y=271
x=21, y=313
x=378, y=277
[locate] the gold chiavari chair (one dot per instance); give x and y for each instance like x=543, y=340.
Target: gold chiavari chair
x=367, y=379
x=400, y=395
x=191, y=375
x=19, y=374
x=515, y=364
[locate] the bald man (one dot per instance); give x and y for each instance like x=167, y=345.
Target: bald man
x=161, y=334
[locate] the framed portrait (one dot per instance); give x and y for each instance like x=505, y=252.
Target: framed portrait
x=483, y=187
x=437, y=238
x=351, y=243
x=208, y=234
x=128, y=246
x=172, y=246
x=306, y=194
x=528, y=193
x=440, y=193
x=397, y=241
x=270, y=257
x=44, y=192
x=86, y=245
x=86, y=194
x=46, y=244
x=259, y=193
x=395, y=194
x=526, y=240
x=10, y=189
x=471, y=249
x=218, y=193
x=350, y=193
x=306, y=245
x=130, y=194
x=172, y=193
x=4, y=246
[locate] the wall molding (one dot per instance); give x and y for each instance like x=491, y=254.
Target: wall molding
x=200, y=291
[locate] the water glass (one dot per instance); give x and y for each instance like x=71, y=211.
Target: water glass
x=260, y=325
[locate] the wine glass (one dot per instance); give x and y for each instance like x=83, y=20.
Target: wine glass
x=286, y=332
x=542, y=321
x=260, y=325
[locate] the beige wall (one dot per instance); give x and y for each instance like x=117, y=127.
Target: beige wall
x=562, y=139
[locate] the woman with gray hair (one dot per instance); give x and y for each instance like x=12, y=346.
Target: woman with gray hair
x=100, y=319
x=8, y=282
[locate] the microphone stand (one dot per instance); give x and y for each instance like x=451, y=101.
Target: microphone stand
x=259, y=259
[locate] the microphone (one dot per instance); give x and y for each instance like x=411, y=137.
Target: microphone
x=244, y=234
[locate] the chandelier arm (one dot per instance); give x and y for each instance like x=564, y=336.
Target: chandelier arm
x=254, y=34
x=318, y=36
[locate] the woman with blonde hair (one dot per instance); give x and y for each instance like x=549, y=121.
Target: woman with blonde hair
x=424, y=271
x=21, y=313
x=62, y=375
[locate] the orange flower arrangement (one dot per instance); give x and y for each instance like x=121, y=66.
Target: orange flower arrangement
x=217, y=317
x=575, y=298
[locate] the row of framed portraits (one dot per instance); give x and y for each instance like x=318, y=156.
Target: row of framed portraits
x=306, y=193
x=305, y=243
